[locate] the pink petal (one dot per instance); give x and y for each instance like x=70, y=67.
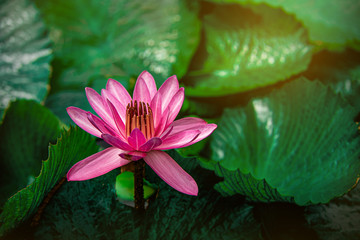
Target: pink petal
x=160, y=118
x=191, y=123
x=156, y=109
x=133, y=155
x=205, y=131
x=162, y=123
x=119, y=123
x=149, y=145
x=166, y=132
x=187, y=124
x=118, y=91
x=136, y=138
x=120, y=108
x=102, y=126
x=141, y=91
x=116, y=142
x=168, y=170
x=175, y=105
x=150, y=83
x=97, y=165
x=99, y=106
x=168, y=90
x=79, y=116
x=178, y=140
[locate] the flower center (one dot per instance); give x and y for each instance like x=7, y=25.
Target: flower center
x=139, y=115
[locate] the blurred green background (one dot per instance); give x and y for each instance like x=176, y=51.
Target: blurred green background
x=280, y=78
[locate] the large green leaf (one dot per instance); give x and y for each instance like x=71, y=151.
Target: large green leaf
x=113, y=38
x=300, y=139
x=331, y=24
x=249, y=48
x=73, y=146
x=24, y=53
x=25, y=134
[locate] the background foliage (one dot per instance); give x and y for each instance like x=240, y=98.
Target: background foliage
x=280, y=78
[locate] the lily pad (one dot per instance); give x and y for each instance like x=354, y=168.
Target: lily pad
x=110, y=37
x=248, y=48
x=25, y=53
x=25, y=134
x=301, y=140
x=73, y=146
x=331, y=24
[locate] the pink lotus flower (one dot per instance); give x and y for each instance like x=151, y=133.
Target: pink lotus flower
x=139, y=127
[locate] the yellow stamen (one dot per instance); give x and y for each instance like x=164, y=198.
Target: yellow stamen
x=139, y=115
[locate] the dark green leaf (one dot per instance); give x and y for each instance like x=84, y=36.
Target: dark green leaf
x=122, y=38
x=249, y=48
x=25, y=134
x=73, y=146
x=331, y=24
x=88, y=209
x=25, y=53
x=301, y=139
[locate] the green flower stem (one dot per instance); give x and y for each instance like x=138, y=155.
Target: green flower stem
x=138, y=182
x=36, y=219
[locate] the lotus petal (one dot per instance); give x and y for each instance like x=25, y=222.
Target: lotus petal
x=167, y=169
